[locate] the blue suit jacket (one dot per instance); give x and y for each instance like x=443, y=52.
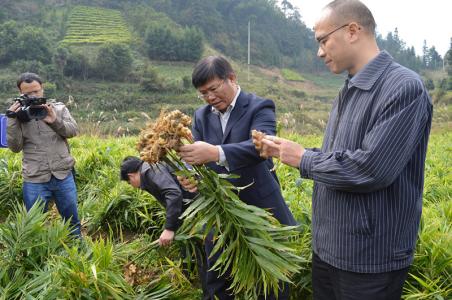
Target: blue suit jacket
x=250, y=112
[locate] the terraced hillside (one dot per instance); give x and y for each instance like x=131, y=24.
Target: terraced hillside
x=95, y=25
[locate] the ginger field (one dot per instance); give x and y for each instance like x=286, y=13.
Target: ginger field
x=117, y=260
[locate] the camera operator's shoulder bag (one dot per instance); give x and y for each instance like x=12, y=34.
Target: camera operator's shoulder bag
x=3, y=121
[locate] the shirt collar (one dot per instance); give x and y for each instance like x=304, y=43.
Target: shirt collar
x=367, y=76
x=230, y=107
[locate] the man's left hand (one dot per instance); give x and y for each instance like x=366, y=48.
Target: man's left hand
x=188, y=184
x=51, y=115
x=199, y=153
x=166, y=238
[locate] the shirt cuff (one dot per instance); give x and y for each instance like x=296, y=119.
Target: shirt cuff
x=222, y=158
x=57, y=125
x=173, y=226
x=306, y=164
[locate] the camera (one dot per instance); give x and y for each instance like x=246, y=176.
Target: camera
x=30, y=108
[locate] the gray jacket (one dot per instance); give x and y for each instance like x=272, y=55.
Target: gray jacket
x=44, y=146
x=158, y=181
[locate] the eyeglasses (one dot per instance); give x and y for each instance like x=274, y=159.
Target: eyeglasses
x=213, y=90
x=322, y=39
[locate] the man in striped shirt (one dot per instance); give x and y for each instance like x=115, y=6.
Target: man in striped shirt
x=369, y=174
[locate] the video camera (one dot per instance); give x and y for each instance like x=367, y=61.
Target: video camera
x=30, y=108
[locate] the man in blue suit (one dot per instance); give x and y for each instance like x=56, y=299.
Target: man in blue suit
x=222, y=134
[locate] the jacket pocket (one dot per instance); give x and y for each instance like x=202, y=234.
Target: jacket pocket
x=32, y=168
x=360, y=223
x=64, y=163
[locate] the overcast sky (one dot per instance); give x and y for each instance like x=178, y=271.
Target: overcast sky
x=415, y=20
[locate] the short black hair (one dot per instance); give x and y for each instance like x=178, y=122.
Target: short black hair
x=352, y=10
x=210, y=67
x=130, y=164
x=28, y=77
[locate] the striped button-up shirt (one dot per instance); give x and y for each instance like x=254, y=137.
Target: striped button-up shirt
x=369, y=174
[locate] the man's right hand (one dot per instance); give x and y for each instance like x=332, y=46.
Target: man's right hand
x=188, y=184
x=13, y=109
x=288, y=152
x=265, y=144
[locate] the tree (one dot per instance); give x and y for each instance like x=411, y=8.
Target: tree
x=190, y=45
x=296, y=16
x=448, y=59
x=160, y=43
x=77, y=65
x=166, y=44
x=286, y=7
x=393, y=43
x=436, y=61
x=33, y=44
x=60, y=59
x=114, y=61
x=8, y=36
x=27, y=43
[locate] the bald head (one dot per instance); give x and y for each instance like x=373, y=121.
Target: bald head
x=345, y=32
x=340, y=12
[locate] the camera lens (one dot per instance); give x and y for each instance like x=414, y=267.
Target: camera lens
x=37, y=112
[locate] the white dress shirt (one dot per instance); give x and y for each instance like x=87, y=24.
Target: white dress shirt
x=224, y=117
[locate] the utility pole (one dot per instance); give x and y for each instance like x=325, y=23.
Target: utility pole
x=249, y=39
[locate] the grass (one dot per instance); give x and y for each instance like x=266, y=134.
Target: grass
x=176, y=70
x=326, y=81
x=291, y=75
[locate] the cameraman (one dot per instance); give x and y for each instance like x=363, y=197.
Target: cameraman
x=47, y=163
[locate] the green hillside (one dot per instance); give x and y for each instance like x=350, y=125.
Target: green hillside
x=95, y=25
x=117, y=62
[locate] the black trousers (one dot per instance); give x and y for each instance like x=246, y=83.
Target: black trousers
x=330, y=283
